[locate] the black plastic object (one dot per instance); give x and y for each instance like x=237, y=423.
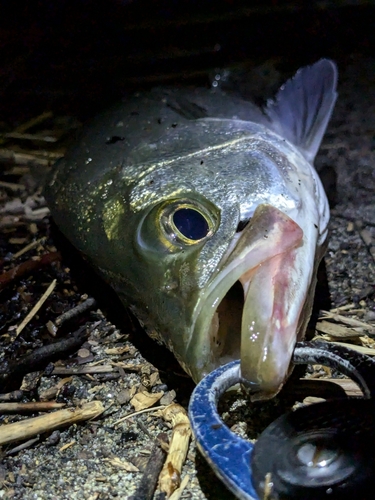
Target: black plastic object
x=326, y=450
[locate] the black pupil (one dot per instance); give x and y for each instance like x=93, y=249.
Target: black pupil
x=190, y=223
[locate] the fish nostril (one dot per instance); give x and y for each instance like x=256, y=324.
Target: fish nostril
x=241, y=225
x=113, y=139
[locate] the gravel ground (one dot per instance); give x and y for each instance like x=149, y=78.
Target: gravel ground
x=78, y=462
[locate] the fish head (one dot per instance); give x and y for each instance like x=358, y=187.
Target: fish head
x=210, y=229
x=213, y=250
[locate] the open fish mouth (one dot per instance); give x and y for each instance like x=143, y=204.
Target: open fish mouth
x=251, y=309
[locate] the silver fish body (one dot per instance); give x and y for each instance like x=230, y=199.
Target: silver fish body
x=207, y=217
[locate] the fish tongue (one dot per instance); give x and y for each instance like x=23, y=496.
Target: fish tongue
x=270, y=316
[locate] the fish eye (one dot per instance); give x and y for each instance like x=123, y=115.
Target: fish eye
x=191, y=223
x=187, y=221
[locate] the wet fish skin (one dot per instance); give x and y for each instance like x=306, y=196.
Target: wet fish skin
x=252, y=213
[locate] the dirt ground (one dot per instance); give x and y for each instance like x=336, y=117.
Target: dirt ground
x=104, y=458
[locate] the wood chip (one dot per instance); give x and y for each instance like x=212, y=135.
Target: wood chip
x=367, y=341
x=310, y=400
x=123, y=397
x=116, y=350
x=155, y=380
x=31, y=427
x=144, y=399
x=67, y=445
x=121, y=464
x=17, y=241
x=53, y=391
x=363, y=350
x=345, y=307
x=350, y=387
x=177, y=494
x=337, y=331
x=339, y=318
x=169, y=479
x=127, y=366
x=83, y=353
x=168, y=398
x=59, y=370
x=13, y=186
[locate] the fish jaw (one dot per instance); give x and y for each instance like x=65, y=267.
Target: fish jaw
x=269, y=324
x=269, y=262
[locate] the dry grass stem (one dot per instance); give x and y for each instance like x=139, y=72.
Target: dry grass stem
x=146, y=410
x=35, y=120
x=28, y=247
x=36, y=308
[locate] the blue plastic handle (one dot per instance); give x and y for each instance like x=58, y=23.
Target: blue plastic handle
x=228, y=454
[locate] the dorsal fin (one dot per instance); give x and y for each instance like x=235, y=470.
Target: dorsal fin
x=303, y=106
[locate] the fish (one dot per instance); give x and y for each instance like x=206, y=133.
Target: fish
x=206, y=215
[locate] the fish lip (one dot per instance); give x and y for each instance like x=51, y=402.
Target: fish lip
x=252, y=250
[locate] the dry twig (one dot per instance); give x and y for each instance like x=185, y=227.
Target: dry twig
x=83, y=370
x=75, y=311
x=37, y=425
x=177, y=494
x=150, y=476
x=30, y=407
x=22, y=446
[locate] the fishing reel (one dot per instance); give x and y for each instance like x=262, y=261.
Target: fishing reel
x=325, y=450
